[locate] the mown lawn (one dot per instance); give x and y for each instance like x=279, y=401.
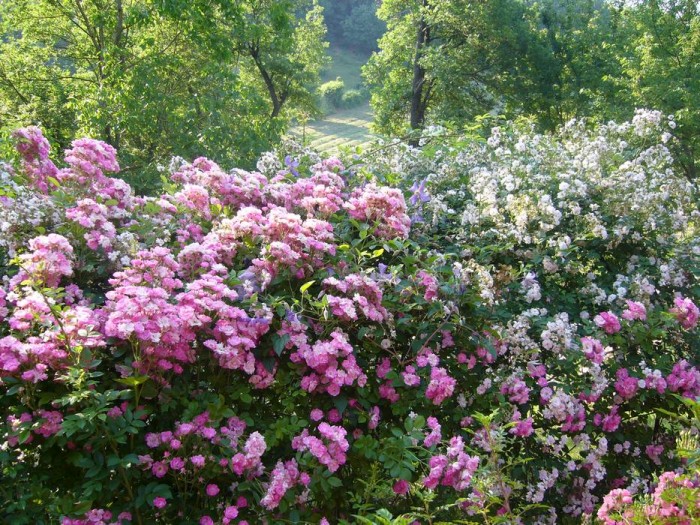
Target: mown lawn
x=348, y=127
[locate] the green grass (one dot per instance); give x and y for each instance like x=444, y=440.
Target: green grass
x=346, y=64
x=348, y=127
x=340, y=127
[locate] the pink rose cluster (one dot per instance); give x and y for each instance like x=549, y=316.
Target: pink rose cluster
x=284, y=477
x=330, y=363
x=665, y=505
x=608, y=321
x=44, y=423
x=381, y=207
x=96, y=218
x=90, y=159
x=99, y=517
x=34, y=149
x=430, y=283
x=71, y=328
x=362, y=293
x=330, y=450
x=441, y=385
x=435, y=434
x=453, y=469
x=517, y=390
x=686, y=312
x=50, y=258
x=141, y=307
x=203, y=449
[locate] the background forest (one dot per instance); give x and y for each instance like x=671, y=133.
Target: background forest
x=227, y=78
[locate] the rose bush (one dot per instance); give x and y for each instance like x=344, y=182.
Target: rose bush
x=288, y=345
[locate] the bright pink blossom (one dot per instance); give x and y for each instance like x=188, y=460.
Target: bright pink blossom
x=686, y=312
x=608, y=321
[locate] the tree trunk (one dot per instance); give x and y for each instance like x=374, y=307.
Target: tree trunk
x=419, y=91
x=277, y=101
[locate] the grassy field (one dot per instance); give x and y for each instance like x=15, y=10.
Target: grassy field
x=349, y=127
x=345, y=64
x=345, y=127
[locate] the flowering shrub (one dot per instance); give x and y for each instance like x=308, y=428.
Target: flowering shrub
x=289, y=345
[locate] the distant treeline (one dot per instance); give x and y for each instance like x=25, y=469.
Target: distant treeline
x=449, y=61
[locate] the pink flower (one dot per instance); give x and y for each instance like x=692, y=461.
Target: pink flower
x=610, y=422
x=686, y=312
x=177, y=463
x=374, y=416
x=523, y=427
x=626, y=385
x=441, y=386
x=634, y=311
x=197, y=461
x=516, y=390
x=159, y=469
x=283, y=477
x=381, y=207
x=592, y=349
x=614, y=501
x=401, y=487
x=212, y=490
x=49, y=260
x=435, y=435
x=159, y=502
x=34, y=149
x=608, y=321
x=431, y=285
x=231, y=512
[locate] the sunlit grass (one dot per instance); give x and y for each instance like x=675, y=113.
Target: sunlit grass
x=349, y=127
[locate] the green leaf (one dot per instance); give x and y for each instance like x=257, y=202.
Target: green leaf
x=306, y=286
x=341, y=403
x=246, y=398
x=335, y=482
x=279, y=342
x=133, y=381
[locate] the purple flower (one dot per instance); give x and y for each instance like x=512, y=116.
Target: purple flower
x=419, y=193
x=292, y=164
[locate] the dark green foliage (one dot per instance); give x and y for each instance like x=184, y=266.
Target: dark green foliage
x=353, y=24
x=352, y=98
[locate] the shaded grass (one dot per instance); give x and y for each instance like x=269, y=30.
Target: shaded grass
x=346, y=64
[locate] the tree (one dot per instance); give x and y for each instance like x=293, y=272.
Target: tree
x=288, y=55
x=443, y=60
x=662, y=69
x=158, y=79
x=353, y=24
x=572, y=60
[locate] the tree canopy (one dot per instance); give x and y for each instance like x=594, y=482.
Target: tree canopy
x=448, y=61
x=157, y=79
